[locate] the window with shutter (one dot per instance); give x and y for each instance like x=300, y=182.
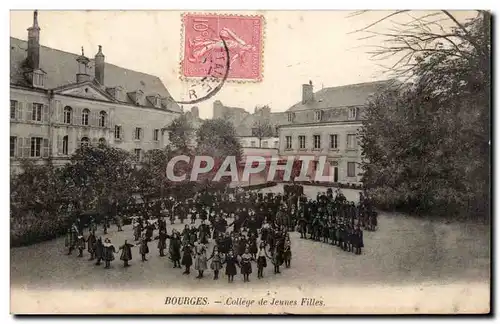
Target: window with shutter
x=59, y=144
x=35, y=146
x=85, y=117
x=45, y=147
x=13, y=109
x=20, y=147
x=67, y=115
x=28, y=111
x=20, y=109
x=45, y=114
x=13, y=144
x=37, y=111
x=26, y=147
x=351, y=169
x=65, y=145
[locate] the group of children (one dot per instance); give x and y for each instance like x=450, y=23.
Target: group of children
x=260, y=230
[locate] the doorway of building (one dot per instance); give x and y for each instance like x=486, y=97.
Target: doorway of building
x=335, y=174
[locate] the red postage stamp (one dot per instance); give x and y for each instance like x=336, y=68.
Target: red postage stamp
x=207, y=34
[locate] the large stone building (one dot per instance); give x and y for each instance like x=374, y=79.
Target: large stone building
x=326, y=123
x=60, y=101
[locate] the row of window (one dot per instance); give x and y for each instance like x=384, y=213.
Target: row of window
x=318, y=115
x=37, y=112
x=138, y=133
x=29, y=147
x=351, y=167
x=352, y=142
x=263, y=144
x=39, y=147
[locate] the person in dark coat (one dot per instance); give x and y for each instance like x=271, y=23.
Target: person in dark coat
x=287, y=254
x=358, y=241
x=149, y=230
x=252, y=243
x=186, y=234
x=126, y=255
x=275, y=259
x=99, y=251
x=175, y=248
x=231, y=262
x=105, y=225
x=137, y=230
x=143, y=247
x=109, y=252
x=71, y=238
x=91, y=245
x=80, y=244
x=204, y=232
x=187, y=258
x=162, y=242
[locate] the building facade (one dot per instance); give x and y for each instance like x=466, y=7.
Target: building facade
x=60, y=101
x=327, y=123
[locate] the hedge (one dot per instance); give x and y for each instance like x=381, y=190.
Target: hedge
x=31, y=229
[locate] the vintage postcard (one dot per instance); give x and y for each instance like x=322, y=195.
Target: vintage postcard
x=250, y=162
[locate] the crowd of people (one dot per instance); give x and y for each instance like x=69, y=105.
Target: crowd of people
x=236, y=230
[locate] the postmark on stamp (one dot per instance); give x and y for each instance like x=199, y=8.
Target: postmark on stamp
x=207, y=34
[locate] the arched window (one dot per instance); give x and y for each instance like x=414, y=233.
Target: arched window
x=67, y=114
x=85, y=142
x=102, y=119
x=85, y=117
x=102, y=141
x=65, y=145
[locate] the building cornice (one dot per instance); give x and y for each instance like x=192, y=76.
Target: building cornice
x=324, y=124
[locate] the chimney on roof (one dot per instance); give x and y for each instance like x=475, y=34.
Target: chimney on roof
x=99, y=66
x=34, y=43
x=307, y=93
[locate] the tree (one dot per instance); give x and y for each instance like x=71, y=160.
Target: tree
x=435, y=155
x=99, y=172
x=181, y=134
x=217, y=138
x=262, y=129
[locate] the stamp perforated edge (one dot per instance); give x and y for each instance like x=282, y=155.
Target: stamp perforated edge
x=195, y=80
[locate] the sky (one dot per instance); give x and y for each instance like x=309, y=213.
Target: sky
x=298, y=46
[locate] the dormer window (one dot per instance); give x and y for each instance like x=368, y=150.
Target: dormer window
x=119, y=94
x=353, y=112
x=291, y=117
x=158, y=102
x=318, y=115
x=37, y=78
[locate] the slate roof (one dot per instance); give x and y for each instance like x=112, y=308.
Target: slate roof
x=343, y=96
x=61, y=68
x=246, y=125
